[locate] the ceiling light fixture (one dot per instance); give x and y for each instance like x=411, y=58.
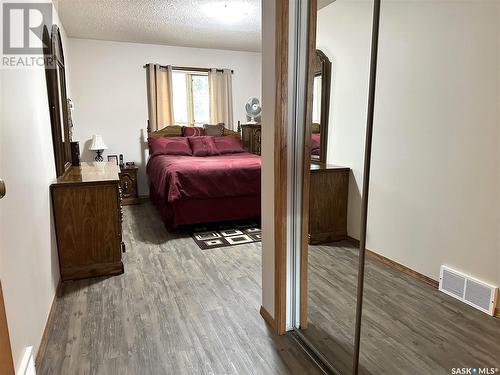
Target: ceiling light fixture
x=228, y=11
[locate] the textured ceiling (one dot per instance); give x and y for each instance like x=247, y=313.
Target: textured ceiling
x=189, y=23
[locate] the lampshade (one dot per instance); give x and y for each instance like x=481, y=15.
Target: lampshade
x=97, y=143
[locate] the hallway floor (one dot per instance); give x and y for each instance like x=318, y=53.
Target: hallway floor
x=175, y=310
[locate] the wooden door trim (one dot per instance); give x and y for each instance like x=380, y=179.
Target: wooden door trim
x=6, y=361
x=280, y=161
x=280, y=165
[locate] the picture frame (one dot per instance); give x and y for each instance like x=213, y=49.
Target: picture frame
x=113, y=158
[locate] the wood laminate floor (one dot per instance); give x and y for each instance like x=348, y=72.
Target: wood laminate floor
x=176, y=310
x=408, y=327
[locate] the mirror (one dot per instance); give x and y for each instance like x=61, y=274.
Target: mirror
x=320, y=107
x=57, y=98
x=339, y=111
x=432, y=264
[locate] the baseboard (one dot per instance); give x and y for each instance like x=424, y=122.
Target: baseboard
x=352, y=240
x=267, y=317
x=143, y=198
x=43, y=341
x=406, y=270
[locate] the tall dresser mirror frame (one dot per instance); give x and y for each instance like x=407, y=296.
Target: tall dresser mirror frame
x=55, y=75
x=323, y=68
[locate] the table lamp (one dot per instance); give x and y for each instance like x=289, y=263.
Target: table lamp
x=98, y=146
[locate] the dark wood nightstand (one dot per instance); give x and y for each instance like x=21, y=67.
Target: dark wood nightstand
x=329, y=191
x=128, y=183
x=251, y=137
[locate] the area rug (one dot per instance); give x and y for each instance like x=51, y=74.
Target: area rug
x=217, y=235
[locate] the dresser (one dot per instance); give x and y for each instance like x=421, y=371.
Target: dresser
x=329, y=190
x=87, y=209
x=251, y=138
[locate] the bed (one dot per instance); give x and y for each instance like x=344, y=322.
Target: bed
x=190, y=189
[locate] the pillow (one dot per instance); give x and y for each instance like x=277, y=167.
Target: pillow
x=315, y=143
x=192, y=131
x=228, y=145
x=169, y=146
x=203, y=146
x=214, y=130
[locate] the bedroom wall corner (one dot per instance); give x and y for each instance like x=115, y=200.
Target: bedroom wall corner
x=268, y=123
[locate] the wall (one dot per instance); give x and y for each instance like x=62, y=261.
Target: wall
x=434, y=192
x=344, y=35
x=435, y=180
x=109, y=90
x=28, y=257
x=268, y=111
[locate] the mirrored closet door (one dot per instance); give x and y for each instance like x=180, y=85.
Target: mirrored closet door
x=420, y=298
x=430, y=222
x=339, y=111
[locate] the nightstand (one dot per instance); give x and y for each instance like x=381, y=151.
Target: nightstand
x=251, y=138
x=128, y=183
x=329, y=191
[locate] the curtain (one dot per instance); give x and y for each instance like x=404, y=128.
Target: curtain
x=221, y=97
x=160, y=97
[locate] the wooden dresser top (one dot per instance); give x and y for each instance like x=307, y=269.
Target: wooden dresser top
x=91, y=172
x=328, y=167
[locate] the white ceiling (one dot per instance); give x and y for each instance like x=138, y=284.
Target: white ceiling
x=189, y=23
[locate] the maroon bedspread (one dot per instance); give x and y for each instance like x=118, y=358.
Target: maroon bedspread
x=315, y=143
x=176, y=179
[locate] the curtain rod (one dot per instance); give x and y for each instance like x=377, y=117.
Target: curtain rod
x=190, y=69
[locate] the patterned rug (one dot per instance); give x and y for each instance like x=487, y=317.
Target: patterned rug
x=211, y=236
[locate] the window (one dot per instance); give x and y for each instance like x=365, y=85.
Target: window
x=191, y=98
x=317, y=100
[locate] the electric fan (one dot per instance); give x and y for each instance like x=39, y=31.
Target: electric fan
x=253, y=110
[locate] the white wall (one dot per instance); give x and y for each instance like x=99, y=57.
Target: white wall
x=268, y=111
x=29, y=268
x=109, y=90
x=344, y=35
x=434, y=192
x=435, y=181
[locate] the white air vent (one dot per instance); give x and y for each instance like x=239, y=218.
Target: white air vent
x=467, y=289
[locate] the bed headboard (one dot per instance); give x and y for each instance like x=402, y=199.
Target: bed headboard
x=176, y=131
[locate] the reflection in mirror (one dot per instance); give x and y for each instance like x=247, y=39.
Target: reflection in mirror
x=433, y=189
x=344, y=38
x=320, y=107
x=61, y=107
